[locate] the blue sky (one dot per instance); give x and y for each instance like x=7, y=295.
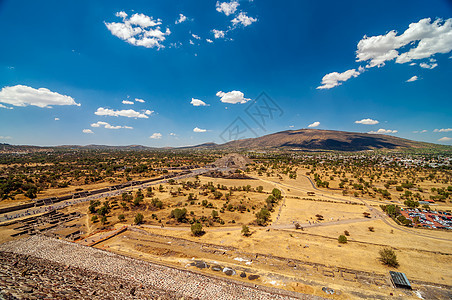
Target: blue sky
x=71, y=71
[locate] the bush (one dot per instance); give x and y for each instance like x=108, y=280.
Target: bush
x=196, y=229
x=262, y=217
x=94, y=219
x=347, y=233
x=121, y=217
x=138, y=219
x=342, y=239
x=388, y=257
x=371, y=229
x=179, y=214
x=246, y=230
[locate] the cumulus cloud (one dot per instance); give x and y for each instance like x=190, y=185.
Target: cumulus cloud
x=227, y=8
x=383, y=131
x=87, y=131
x=445, y=139
x=22, y=95
x=414, y=78
x=334, y=79
x=232, y=97
x=57, y=119
x=367, y=122
x=129, y=113
x=172, y=134
x=428, y=66
x=209, y=41
x=315, y=124
x=196, y=129
x=421, y=40
x=139, y=100
x=181, y=19
x=443, y=130
x=139, y=30
x=243, y=19
x=127, y=102
x=148, y=112
x=195, y=36
x=218, y=34
x=108, y=126
x=156, y=136
x=197, y=102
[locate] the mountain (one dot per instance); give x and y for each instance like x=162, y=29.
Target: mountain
x=316, y=139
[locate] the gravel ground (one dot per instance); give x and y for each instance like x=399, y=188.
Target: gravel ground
x=38, y=266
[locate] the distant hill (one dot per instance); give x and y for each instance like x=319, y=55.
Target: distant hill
x=316, y=139
x=302, y=139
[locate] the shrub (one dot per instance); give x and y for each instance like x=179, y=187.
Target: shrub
x=245, y=230
x=121, y=217
x=342, y=239
x=196, y=229
x=262, y=217
x=138, y=219
x=388, y=257
x=94, y=219
x=103, y=220
x=347, y=233
x=371, y=228
x=179, y=214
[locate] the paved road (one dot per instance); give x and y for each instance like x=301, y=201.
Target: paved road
x=42, y=209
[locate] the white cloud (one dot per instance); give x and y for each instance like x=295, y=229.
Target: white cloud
x=172, y=134
x=181, y=19
x=129, y=113
x=383, y=131
x=227, y=8
x=367, y=122
x=218, y=34
x=195, y=36
x=243, y=19
x=6, y=107
x=5, y=137
x=428, y=66
x=139, y=100
x=108, y=126
x=315, y=124
x=197, y=102
x=139, y=30
x=334, y=79
x=196, y=129
x=148, y=112
x=291, y=126
x=443, y=130
x=156, y=136
x=232, y=97
x=87, y=131
x=127, y=102
x=191, y=42
x=209, y=41
x=445, y=139
x=21, y=95
x=424, y=131
x=421, y=40
x=414, y=78
x=57, y=119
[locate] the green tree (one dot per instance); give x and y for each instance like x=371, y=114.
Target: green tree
x=246, y=230
x=262, y=216
x=276, y=193
x=342, y=239
x=196, y=229
x=138, y=219
x=388, y=257
x=179, y=214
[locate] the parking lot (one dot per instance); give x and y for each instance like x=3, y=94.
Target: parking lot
x=429, y=219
